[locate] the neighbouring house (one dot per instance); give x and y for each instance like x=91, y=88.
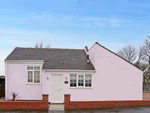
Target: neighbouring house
x=97, y=74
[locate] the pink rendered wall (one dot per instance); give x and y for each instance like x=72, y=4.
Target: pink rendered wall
x=77, y=94
x=116, y=79
x=17, y=82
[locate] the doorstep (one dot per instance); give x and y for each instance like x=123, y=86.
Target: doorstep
x=59, y=107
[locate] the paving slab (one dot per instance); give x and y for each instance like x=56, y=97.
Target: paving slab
x=58, y=107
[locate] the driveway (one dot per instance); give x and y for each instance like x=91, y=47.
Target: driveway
x=112, y=110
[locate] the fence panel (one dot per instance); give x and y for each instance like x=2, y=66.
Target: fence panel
x=2, y=90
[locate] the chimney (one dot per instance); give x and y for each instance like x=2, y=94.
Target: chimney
x=86, y=48
x=88, y=59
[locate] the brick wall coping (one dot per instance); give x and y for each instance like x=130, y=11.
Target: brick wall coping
x=67, y=94
x=19, y=101
x=44, y=94
x=111, y=101
x=146, y=91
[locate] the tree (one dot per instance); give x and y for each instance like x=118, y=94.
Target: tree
x=144, y=68
x=146, y=49
x=131, y=54
x=135, y=56
x=47, y=46
x=37, y=45
x=128, y=52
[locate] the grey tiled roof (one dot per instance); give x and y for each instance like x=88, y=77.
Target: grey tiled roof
x=54, y=58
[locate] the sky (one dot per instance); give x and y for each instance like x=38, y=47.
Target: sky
x=72, y=24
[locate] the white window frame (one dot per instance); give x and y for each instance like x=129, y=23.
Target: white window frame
x=91, y=80
x=33, y=74
x=84, y=81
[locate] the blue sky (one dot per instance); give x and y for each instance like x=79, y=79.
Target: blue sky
x=72, y=24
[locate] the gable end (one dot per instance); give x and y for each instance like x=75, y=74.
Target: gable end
x=115, y=54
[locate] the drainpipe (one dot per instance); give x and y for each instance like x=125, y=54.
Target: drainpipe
x=149, y=68
x=6, y=80
x=43, y=81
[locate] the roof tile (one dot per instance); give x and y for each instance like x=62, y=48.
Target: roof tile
x=54, y=58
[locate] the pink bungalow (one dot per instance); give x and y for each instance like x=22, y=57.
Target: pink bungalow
x=97, y=74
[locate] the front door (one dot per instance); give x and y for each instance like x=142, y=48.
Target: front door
x=56, y=89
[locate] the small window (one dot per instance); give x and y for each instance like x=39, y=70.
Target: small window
x=88, y=80
x=73, y=80
x=33, y=74
x=80, y=80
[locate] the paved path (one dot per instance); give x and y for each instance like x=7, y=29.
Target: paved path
x=56, y=107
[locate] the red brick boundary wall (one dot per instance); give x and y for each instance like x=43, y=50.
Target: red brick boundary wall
x=101, y=104
x=146, y=95
x=26, y=105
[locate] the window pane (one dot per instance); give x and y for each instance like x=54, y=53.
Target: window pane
x=86, y=84
x=73, y=76
x=30, y=75
x=88, y=80
x=71, y=84
x=74, y=84
x=30, y=68
x=36, y=68
x=81, y=77
x=36, y=76
x=90, y=85
x=80, y=82
x=87, y=76
x=73, y=81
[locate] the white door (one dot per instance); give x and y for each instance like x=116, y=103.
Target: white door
x=56, y=89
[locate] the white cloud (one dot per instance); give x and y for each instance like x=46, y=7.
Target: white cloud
x=102, y=22
x=45, y=19
x=99, y=24
x=115, y=22
x=30, y=35
x=86, y=25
